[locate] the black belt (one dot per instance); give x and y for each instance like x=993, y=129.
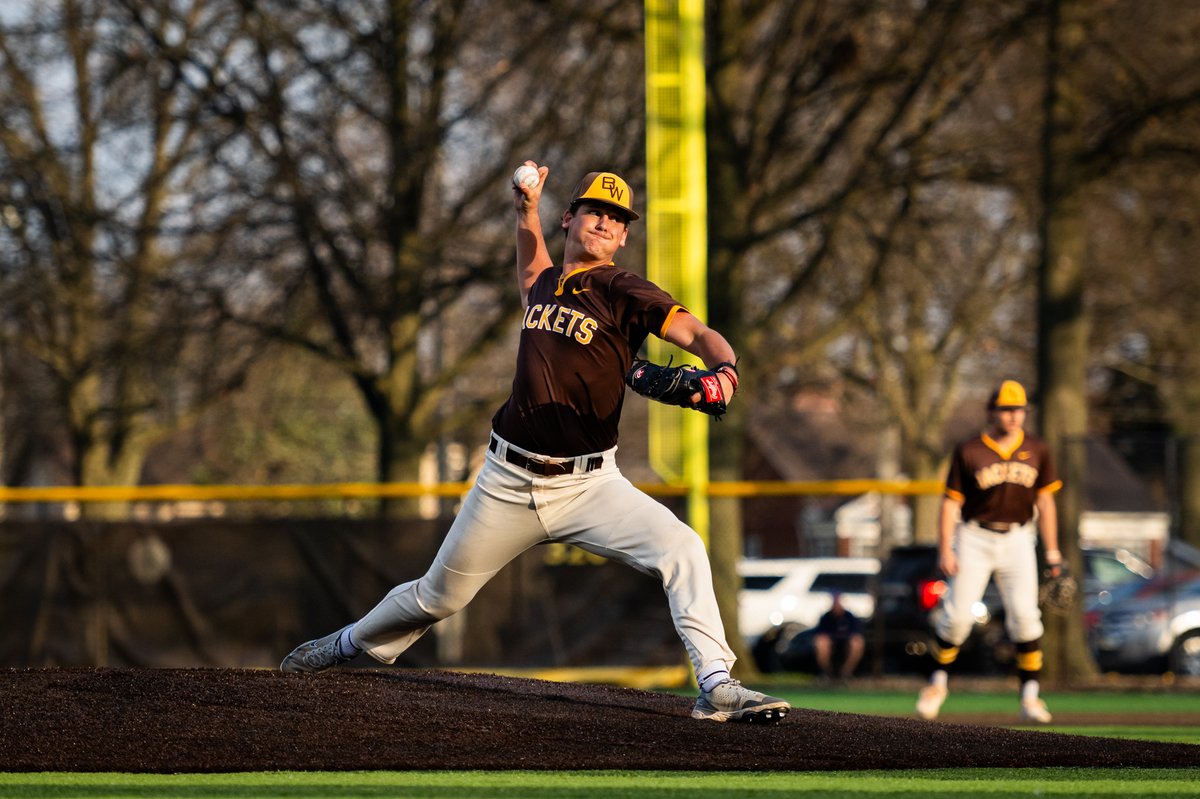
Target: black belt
x=545, y=468
x=998, y=527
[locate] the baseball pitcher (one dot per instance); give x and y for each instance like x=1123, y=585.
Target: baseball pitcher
x=550, y=473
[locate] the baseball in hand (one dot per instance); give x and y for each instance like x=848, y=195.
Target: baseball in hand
x=525, y=176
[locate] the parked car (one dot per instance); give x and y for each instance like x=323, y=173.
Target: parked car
x=1106, y=569
x=1148, y=627
x=909, y=602
x=909, y=596
x=782, y=597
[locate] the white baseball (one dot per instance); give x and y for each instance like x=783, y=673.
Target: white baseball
x=526, y=176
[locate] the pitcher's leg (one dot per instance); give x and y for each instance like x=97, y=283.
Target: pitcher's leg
x=650, y=538
x=681, y=561
x=493, y=527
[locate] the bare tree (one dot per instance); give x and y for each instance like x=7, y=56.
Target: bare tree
x=382, y=136
x=832, y=142
x=1137, y=99
x=1142, y=227
x=1112, y=101
x=99, y=151
x=948, y=309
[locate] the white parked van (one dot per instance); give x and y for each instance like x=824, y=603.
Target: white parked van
x=779, y=591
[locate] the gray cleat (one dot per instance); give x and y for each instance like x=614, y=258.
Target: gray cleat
x=318, y=655
x=730, y=701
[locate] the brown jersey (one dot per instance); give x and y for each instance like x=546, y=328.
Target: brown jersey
x=997, y=485
x=579, y=336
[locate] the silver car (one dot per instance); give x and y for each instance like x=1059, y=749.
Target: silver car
x=1149, y=627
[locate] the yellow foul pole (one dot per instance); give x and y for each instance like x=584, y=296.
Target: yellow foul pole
x=676, y=223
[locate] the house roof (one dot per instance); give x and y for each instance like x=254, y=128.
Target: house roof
x=811, y=445
x=820, y=444
x=1110, y=483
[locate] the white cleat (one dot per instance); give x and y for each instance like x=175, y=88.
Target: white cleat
x=317, y=655
x=929, y=701
x=730, y=701
x=1034, y=710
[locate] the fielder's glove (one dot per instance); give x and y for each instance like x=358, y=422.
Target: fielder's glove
x=1057, y=592
x=675, y=385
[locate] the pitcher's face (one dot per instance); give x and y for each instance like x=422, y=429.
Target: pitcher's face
x=596, y=229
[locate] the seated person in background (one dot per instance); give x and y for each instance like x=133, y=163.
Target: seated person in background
x=839, y=634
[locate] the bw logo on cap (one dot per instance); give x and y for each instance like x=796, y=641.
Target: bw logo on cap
x=608, y=188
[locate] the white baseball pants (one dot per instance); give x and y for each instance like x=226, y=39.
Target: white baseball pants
x=509, y=510
x=1012, y=558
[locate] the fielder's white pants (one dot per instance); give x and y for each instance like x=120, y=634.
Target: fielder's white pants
x=1012, y=558
x=509, y=510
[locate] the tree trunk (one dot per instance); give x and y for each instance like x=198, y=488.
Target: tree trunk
x=1188, y=466
x=725, y=539
x=1063, y=324
x=1062, y=355
x=920, y=465
x=101, y=468
x=398, y=460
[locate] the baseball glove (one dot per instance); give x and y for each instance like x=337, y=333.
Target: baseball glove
x=1057, y=593
x=675, y=385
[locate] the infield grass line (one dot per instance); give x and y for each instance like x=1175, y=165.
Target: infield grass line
x=853, y=699
x=936, y=783
x=1176, y=735
x=961, y=705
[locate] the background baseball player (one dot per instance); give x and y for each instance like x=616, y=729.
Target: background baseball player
x=550, y=472
x=1000, y=484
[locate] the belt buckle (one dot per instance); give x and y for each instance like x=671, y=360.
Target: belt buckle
x=547, y=468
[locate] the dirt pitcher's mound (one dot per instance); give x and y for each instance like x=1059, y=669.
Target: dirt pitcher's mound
x=209, y=720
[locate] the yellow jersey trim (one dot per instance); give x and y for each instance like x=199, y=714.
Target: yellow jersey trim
x=662, y=332
x=957, y=496
x=1050, y=489
x=999, y=450
x=562, y=279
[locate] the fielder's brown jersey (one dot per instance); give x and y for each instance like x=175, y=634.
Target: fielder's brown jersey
x=578, y=339
x=997, y=485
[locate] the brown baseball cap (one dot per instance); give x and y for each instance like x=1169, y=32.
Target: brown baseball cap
x=608, y=188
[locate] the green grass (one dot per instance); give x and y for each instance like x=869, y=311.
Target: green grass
x=965, y=702
x=900, y=703
x=1179, y=735
x=613, y=784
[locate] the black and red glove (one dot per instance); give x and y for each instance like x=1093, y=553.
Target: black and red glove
x=676, y=385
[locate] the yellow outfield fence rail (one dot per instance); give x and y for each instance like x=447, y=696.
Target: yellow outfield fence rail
x=236, y=493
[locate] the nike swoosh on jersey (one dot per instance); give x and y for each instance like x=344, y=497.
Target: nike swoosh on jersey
x=579, y=291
